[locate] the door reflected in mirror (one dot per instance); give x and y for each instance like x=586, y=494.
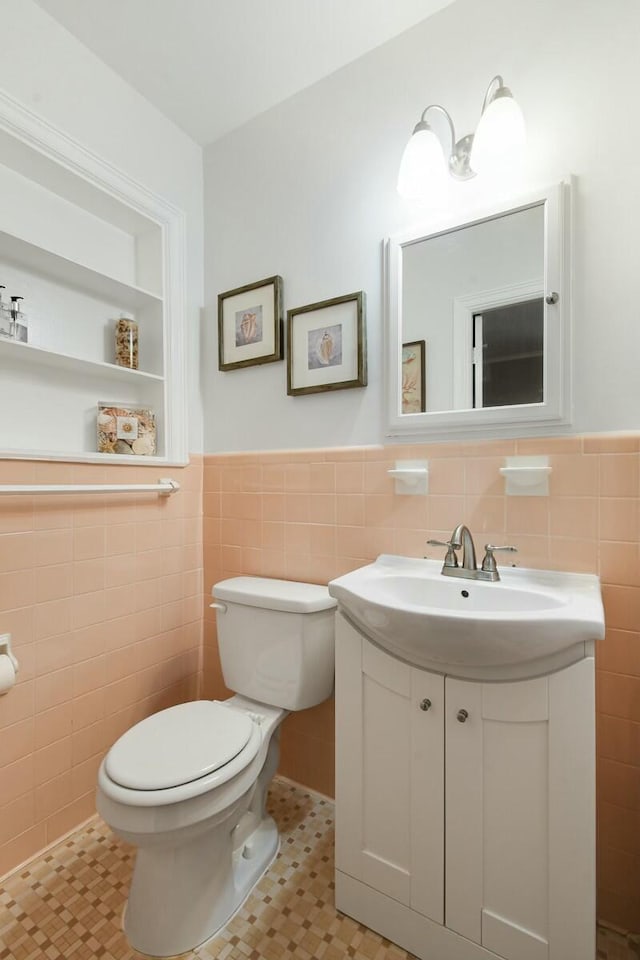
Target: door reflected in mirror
x=508, y=347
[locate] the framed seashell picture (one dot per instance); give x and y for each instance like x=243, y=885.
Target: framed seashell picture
x=326, y=345
x=125, y=431
x=250, y=324
x=413, y=377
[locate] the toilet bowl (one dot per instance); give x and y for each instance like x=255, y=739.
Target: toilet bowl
x=187, y=786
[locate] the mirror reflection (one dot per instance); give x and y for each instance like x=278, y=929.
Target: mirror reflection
x=473, y=315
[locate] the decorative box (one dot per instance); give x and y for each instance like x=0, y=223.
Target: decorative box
x=126, y=430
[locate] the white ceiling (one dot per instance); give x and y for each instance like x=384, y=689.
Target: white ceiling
x=212, y=65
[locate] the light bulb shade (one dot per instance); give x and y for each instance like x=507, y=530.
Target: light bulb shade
x=499, y=141
x=423, y=165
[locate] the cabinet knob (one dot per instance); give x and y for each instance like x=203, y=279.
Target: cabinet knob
x=462, y=715
x=425, y=704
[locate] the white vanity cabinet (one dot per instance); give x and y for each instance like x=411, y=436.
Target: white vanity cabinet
x=465, y=813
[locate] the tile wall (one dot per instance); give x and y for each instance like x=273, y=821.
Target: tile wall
x=103, y=598
x=313, y=515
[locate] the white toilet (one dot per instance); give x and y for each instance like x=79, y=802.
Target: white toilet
x=188, y=785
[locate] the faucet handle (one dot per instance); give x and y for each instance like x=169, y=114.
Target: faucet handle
x=451, y=558
x=489, y=561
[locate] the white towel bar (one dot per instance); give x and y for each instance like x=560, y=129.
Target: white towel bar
x=165, y=487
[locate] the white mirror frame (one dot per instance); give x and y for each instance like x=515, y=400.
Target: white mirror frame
x=553, y=415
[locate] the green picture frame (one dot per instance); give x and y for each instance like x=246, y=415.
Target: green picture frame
x=327, y=345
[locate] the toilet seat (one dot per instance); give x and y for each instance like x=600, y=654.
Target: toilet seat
x=178, y=746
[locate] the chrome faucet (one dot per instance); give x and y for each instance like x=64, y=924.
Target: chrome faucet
x=461, y=538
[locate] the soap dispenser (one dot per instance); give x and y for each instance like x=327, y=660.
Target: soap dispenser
x=18, y=329
x=5, y=315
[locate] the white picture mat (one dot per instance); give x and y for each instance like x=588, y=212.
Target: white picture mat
x=259, y=296
x=345, y=314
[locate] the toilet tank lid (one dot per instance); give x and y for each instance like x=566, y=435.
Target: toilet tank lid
x=287, y=595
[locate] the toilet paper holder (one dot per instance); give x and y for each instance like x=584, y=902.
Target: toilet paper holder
x=6, y=651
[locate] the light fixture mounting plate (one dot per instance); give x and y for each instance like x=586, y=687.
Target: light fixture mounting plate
x=459, y=165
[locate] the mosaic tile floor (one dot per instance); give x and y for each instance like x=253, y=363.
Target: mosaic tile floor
x=67, y=904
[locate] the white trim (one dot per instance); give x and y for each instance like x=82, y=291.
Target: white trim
x=551, y=416
x=48, y=142
x=106, y=459
x=303, y=786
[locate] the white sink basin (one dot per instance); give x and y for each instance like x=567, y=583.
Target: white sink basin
x=526, y=624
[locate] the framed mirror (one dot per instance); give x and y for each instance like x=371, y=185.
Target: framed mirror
x=478, y=323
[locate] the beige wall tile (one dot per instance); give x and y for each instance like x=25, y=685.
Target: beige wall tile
x=619, y=652
x=297, y=507
x=53, y=724
x=528, y=515
x=619, y=827
x=620, y=563
x=619, y=475
x=22, y=847
x=342, y=512
x=75, y=645
x=619, y=518
x=578, y=556
x=621, y=606
x=53, y=582
x=612, y=443
x=376, y=476
x=17, y=740
x=573, y=475
x=349, y=477
x=350, y=509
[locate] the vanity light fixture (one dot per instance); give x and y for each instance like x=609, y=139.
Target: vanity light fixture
x=498, y=140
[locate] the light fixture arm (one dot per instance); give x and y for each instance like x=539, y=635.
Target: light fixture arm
x=495, y=91
x=446, y=114
x=459, y=151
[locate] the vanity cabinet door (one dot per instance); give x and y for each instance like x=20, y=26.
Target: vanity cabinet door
x=519, y=815
x=389, y=774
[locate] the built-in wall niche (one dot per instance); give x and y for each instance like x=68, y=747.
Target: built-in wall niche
x=84, y=245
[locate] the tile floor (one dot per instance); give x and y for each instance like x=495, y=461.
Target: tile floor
x=67, y=904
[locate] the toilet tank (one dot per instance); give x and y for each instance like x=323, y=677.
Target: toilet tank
x=276, y=640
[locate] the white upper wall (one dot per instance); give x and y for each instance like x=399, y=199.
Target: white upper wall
x=307, y=190
x=54, y=75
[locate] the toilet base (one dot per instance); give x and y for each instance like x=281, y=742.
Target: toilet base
x=197, y=897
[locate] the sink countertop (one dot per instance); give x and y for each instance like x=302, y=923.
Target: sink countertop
x=528, y=623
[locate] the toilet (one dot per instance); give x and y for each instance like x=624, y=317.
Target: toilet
x=187, y=786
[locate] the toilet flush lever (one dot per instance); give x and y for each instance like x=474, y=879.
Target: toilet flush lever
x=219, y=605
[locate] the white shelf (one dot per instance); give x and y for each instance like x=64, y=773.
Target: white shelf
x=70, y=273
x=83, y=243
x=91, y=457
x=53, y=360
x=526, y=476
x=411, y=476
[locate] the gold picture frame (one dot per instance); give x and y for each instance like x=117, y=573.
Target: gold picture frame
x=250, y=324
x=327, y=345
